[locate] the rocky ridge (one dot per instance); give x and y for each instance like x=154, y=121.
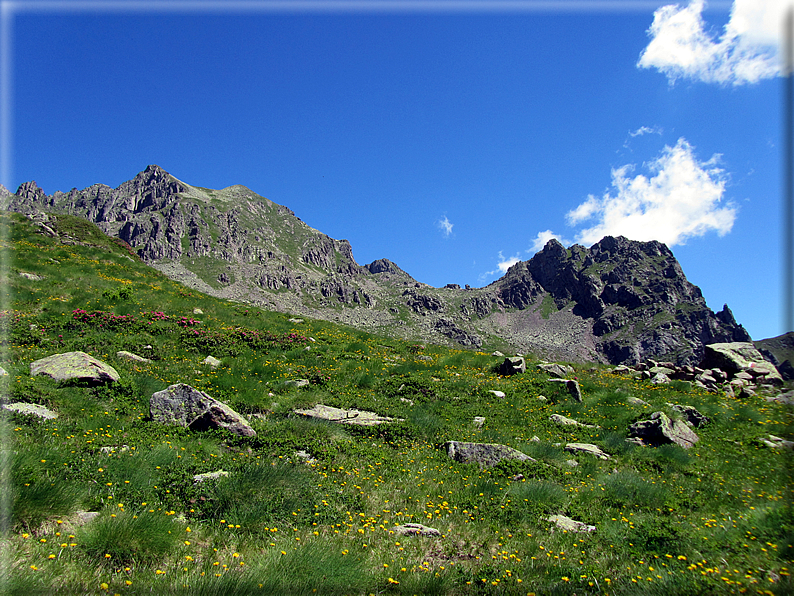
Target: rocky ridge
x=619, y=301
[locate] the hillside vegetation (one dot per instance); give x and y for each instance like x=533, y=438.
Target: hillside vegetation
x=310, y=507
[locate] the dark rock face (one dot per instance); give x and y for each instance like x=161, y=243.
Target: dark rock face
x=636, y=294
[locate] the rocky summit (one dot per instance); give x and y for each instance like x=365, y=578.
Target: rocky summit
x=619, y=301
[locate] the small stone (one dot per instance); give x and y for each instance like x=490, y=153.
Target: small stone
x=131, y=356
x=297, y=383
x=198, y=311
x=570, y=525
x=479, y=421
x=416, y=530
x=586, y=448
x=199, y=478
x=211, y=361
x=499, y=394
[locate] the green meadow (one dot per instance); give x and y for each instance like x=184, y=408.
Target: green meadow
x=713, y=519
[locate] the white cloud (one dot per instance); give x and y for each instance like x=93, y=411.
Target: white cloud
x=680, y=201
x=541, y=239
x=504, y=264
x=501, y=267
x=446, y=226
x=646, y=130
x=747, y=51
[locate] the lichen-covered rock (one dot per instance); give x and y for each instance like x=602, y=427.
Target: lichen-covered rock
x=588, y=448
x=31, y=410
x=415, y=530
x=130, y=356
x=660, y=430
x=485, y=454
x=570, y=525
x=737, y=357
x=340, y=416
x=74, y=365
x=565, y=421
x=199, y=478
x=182, y=405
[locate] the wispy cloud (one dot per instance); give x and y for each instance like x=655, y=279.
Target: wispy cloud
x=747, y=52
x=681, y=200
x=445, y=226
x=646, y=130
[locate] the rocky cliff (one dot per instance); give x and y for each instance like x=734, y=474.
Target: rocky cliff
x=619, y=301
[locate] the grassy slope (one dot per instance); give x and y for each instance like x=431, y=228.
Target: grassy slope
x=713, y=519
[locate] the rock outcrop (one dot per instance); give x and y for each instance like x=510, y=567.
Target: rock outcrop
x=660, y=430
x=182, y=405
x=74, y=366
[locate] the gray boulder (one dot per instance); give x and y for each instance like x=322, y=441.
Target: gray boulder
x=636, y=401
x=588, y=448
x=736, y=357
x=182, y=405
x=31, y=410
x=660, y=430
x=211, y=361
x=513, y=366
x=573, y=387
x=485, y=454
x=565, y=421
x=558, y=371
x=74, y=365
x=691, y=415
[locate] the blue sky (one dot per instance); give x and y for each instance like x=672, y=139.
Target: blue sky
x=452, y=138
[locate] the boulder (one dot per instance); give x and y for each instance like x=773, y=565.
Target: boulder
x=499, y=394
x=691, y=416
x=736, y=357
x=479, y=421
x=560, y=419
x=31, y=410
x=636, y=401
x=513, y=366
x=570, y=525
x=415, y=530
x=182, y=405
x=485, y=454
x=660, y=430
x=555, y=370
x=74, y=365
x=340, y=416
x=660, y=378
x=211, y=361
x=586, y=448
x=131, y=356
x=573, y=387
